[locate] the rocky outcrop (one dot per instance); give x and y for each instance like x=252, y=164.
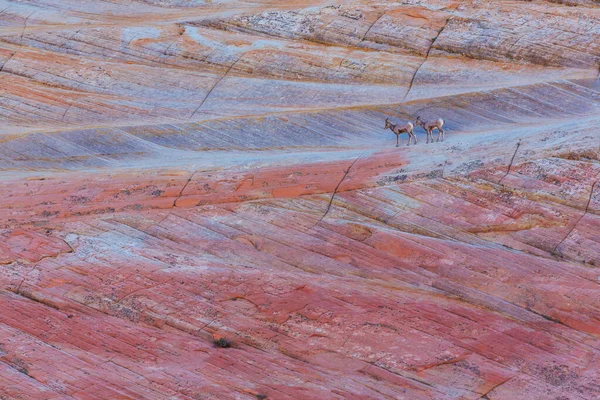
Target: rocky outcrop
x=528, y=34
x=200, y=201
x=398, y=30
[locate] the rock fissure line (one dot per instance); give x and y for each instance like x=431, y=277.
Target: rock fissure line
x=215, y=85
x=174, y=205
x=136, y=36
x=511, y=162
x=509, y=52
x=35, y=265
x=166, y=53
x=66, y=111
x=6, y=62
x=485, y=395
x=182, y=190
x=405, y=374
x=31, y=297
x=70, y=247
x=18, y=289
x=425, y=60
x=70, y=37
x=546, y=317
x=373, y=24
x=311, y=40
x=336, y=189
x=579, y=219
x=25, y=27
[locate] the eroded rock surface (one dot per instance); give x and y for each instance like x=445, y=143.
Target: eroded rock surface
x=176, y=174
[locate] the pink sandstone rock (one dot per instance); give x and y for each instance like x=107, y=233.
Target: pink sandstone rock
x=179, y=172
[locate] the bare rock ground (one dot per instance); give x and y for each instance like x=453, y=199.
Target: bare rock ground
x=199, y=200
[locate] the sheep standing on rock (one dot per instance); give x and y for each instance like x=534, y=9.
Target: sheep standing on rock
x=399, y=129
x=429, y=126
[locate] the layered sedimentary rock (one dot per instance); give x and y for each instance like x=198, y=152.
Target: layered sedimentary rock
x=179, y=172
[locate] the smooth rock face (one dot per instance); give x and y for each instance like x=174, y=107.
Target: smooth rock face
x=200, y=201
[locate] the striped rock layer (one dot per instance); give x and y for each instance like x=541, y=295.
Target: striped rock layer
x=175, y=173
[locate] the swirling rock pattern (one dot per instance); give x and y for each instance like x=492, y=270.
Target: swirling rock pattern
x=175, y=173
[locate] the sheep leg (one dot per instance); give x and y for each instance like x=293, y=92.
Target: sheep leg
x=443, y=134
x=439, y=134
x=412, y=133
x=397, y=138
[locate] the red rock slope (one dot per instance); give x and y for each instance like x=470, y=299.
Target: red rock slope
x=175, y=172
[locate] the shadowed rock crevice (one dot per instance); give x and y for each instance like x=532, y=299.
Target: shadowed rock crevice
x=215, y=86
x=578, y=220
x=6, y=62
x=371, y=26
x=346, y=172
x=425, y=60
x=512, y=159
x=183, y=190
x=25, y=27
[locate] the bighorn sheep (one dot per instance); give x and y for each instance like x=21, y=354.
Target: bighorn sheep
x=399, y=129
x=429, y=126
